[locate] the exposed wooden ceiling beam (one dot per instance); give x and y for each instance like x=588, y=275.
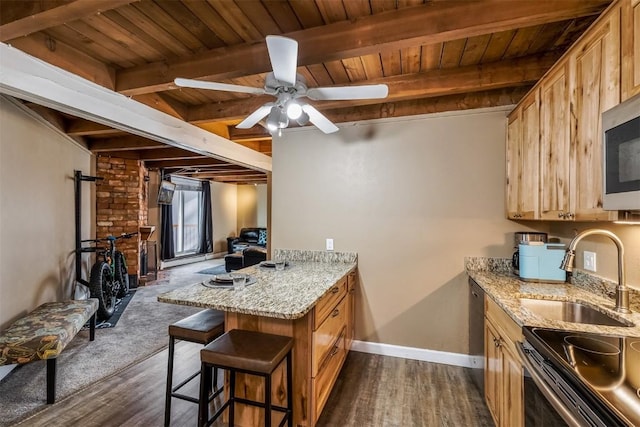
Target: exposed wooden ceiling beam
x=163, y=103
x=124, y=143
x=184, y=163
x=28, y=17
x=256, y=133
x=512, y=72
x=82, y=127
x=237, y=176
x=433, y=22
x=167, y=154
x=466, y=101
x=66, y=57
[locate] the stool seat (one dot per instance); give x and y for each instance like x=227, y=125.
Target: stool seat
x=200, y=328
x=247, y=350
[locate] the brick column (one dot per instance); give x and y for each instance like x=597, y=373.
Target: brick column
x=122, y=204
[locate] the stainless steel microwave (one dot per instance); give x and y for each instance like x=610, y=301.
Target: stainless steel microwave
x=621, y=156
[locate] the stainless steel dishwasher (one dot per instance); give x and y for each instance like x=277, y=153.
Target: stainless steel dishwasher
x=476, y=333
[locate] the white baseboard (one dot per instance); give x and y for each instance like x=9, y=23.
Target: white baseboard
x=435, y=356
x=189, y=260
x=5, y=369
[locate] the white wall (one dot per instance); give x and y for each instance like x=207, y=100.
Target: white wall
x=252, y=206
x=224, y=198
x=413, y=197
x=37, y=227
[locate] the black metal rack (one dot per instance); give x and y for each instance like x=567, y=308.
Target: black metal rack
x=79, y=178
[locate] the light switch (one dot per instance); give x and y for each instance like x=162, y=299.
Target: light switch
x=329, y=244
x=589, y=260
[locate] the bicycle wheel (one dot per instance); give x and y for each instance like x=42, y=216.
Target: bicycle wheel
x=101, y=287
x=121, y=273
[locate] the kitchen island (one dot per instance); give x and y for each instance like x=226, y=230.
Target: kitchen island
x=311, y=300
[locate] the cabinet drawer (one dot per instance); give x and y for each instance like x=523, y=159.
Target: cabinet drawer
x=326, y=304
x=325, y=337
x=508, y=329
x=323, y=383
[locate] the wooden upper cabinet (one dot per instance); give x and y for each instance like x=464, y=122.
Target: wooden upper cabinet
x=530, y=154
x=513, y=163
x=630, y=44
x=554, y=136
x=595, y=88
x=523, y=146
x=555, y=145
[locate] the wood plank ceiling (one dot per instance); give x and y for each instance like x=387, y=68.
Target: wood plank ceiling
x=435, y=56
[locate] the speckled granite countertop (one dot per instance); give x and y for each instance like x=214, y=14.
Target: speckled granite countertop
x=287, y=294
x=505, y=288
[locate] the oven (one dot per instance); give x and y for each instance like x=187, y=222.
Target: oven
x=580, y=379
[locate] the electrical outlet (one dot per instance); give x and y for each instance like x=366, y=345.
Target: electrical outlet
x=589, y=260
x=329, y=244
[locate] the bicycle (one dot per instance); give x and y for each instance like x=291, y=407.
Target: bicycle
x=109, y=278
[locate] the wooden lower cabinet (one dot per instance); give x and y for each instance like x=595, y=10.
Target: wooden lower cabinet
x=503, y=369
x=319, y=351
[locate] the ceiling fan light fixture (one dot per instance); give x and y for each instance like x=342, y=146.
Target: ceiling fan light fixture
x=277, y=119
x=303, y=120
x=294, y=110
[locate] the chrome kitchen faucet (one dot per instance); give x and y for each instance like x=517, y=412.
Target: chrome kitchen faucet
x=622, y=292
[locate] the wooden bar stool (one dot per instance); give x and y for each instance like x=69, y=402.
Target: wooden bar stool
x=201, y=328
x=249, y=352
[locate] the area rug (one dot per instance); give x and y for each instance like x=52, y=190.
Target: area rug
x=121, y=305
x=140, y=333
x=220, y=269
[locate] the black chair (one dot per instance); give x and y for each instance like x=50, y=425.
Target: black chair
x=201, y=328
x=249, y=352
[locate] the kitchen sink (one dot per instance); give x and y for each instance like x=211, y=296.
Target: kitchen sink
x=568, y=311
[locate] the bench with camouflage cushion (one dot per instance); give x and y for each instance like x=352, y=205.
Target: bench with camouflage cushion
x=44, y=333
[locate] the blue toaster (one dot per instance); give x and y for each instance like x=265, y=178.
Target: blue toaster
x=540, y=262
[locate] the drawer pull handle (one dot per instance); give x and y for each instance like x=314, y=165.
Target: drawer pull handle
x=335, y=313
x=334, y=351
x=335, y=290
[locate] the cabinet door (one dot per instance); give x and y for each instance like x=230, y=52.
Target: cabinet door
x=513, y=163
x=512, y=414
x=630, y=33
x=530, y=151
x=596, y=88
x=555, y=145
x=492, y=371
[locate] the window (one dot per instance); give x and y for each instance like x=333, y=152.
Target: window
x=187, y=214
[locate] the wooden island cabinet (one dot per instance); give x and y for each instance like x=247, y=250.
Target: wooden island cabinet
x=554, y=135
x=312, y=301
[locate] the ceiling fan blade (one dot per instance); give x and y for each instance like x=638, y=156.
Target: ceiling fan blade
x=200, y=84
x=348, y=92
x=283, y=53
x=319, y=120
x=256, y=116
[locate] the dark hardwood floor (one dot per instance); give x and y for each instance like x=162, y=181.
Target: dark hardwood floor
x=371, y=391
x=375, y=390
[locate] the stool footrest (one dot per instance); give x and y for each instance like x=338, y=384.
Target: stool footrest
x=259, y=404
x=183, y=383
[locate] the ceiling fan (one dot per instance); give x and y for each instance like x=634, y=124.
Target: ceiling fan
x=289, y=87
